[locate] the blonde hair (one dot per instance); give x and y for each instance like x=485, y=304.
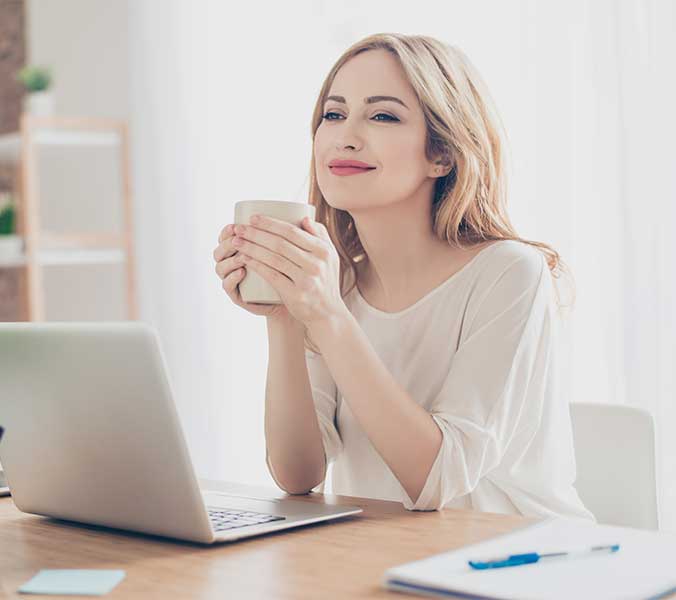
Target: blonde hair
x=463, y=128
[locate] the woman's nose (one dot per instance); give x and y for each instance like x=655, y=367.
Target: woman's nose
x=349, y=136
x=348, y=140
x=341, y=146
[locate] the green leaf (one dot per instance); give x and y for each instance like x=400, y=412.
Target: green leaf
x=7, y=220
x=34, y=78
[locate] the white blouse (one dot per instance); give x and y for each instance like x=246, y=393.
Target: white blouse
x=479, y=353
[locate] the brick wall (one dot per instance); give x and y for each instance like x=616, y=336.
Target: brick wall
x=12, y=58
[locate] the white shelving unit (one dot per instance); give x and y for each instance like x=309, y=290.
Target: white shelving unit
x=44, y=248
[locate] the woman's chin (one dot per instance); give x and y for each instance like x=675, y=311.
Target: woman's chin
x=340, y=202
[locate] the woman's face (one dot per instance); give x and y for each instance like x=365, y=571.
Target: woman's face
x=384, y=134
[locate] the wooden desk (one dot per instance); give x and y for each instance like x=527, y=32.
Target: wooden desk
x=342, y=559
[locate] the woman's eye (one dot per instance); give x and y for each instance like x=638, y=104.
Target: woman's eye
x=389, y=117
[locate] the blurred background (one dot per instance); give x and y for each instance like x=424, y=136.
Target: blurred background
x=138, y=125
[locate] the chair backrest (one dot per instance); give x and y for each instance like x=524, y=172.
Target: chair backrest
x=615, y=456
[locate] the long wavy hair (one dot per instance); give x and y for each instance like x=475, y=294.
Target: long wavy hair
x=463, y=127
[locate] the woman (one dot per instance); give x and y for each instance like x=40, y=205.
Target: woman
x=431, y=374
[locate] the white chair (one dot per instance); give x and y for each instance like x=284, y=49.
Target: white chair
x=615, y=456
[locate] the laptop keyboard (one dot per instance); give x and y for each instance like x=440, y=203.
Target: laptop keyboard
x=224, y=518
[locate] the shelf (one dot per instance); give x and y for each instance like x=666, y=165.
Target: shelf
x=68, y=257
x=10, y=143
x=10, y=147
x=40, y=152
x=56, y=137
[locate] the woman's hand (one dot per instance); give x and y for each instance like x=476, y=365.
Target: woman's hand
x=230, y=269
x=300, y=263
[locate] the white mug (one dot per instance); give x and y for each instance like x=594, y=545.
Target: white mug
x=253, y=287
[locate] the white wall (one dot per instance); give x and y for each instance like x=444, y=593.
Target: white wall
x=216, y=120
x=86, y=43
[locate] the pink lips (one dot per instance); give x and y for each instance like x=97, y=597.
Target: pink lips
x=349, y=167
x=341, y=171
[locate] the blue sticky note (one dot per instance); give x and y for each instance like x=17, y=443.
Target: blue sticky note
x=81, y=582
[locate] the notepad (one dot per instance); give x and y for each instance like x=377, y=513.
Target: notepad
x=87, y=582
x=642, y=568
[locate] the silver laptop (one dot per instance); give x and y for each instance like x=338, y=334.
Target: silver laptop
x=92, y=435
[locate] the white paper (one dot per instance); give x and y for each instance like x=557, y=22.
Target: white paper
x=643, y=567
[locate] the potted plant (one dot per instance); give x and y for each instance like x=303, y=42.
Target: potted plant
x=10, y=243
x=36, y=81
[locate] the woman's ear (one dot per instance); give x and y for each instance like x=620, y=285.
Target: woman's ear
x=442, y=165
x=441, y=168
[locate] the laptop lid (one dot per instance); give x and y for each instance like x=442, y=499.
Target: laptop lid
x=91, y=430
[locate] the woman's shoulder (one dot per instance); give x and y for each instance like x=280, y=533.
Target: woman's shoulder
x=517, y=261
x=507, y=251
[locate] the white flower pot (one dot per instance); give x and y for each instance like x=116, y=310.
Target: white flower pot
x=39, y=104
x=11, y=247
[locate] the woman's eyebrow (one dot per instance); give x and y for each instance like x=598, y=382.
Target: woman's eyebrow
x=369, y=100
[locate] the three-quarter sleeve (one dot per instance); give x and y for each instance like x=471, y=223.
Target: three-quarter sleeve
x=493, y=390
x=324, y=395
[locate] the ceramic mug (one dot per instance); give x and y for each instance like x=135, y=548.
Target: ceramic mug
x=253, y=287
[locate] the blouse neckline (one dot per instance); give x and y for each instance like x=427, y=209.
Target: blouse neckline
x=430, y=294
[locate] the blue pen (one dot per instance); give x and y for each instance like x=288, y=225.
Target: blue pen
x=515, y=560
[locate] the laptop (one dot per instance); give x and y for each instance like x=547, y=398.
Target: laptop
x=92, y=435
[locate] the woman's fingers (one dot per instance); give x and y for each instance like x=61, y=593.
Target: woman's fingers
x=231, y=281
x=274, y=261
x=225, y=232
x=224, y=248
x=279, y=246
x=291, y=232
x=224, y=267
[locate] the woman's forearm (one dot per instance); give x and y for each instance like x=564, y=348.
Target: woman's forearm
x=293, y=439
x=402, y=432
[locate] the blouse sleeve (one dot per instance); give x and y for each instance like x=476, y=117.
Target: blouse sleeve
x=490, y=383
